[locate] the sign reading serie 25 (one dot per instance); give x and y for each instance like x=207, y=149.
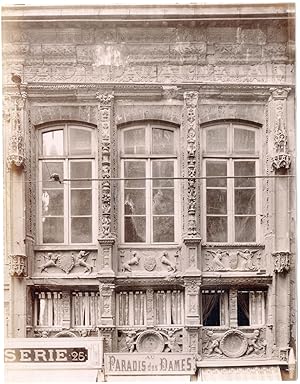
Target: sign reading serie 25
x=45, y=355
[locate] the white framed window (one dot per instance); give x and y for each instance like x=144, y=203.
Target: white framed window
x=231, y=203
x=67, y=207
x=150, y=208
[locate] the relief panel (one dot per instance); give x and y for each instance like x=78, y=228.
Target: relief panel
x=233, y=343
x=51, y=263
x=154, y=261
x=231, y=260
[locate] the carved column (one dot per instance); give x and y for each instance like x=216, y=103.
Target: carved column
x=15, y=126
x=190, y=226
x=192, y=314
x=233, y=320
x=150, y=307
x=281, y=162
x=106, y=238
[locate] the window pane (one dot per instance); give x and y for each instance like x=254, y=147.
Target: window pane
x=216, y=168
x=244, y=201
x=162, y=141
x=53, y=202
x=81, y=230
x=134, y=169
x=211, y=309
x=81, y=170
x=48, y=168
x=81, y=202
x=135, y=203
x=216, y=229
x=163, y=201
x=244, y=168
x=245, y=229
x=216, y=140
x=53, y=143
x=80, y=141
x=53, y=230
x=243, y=308
x=135, y=229
x=163, y=229
x=134, y=141
x=216, y=201
x=163, y=169
x=244, y=140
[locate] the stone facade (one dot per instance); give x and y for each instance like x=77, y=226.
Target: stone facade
x=148, y=66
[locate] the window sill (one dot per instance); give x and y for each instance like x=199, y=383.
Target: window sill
x=153, y=246
x=233, y=245
x=62, y=247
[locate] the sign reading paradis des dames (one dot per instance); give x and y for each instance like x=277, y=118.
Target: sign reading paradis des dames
x=149, y=363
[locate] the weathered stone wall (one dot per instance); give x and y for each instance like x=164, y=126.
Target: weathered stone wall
x=212, y=51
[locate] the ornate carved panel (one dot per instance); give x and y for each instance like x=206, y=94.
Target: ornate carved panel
x=222, y=260
x=154, y=340
x=146, y=261
x=234, y=343
x=66, y=262
x=18, y=266
x=281, y=158
x=281, y=261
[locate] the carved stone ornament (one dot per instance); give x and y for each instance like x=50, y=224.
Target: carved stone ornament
x=105, y=99
x=225, y=260
x=281, y=261
x=66, y=262
x=149, y=263
x=17, y=266
x=170, y=91
x=150, y=341
x=281, y=158
x=135, y=259
x=16, y=146
x=234, y=344
x=165, y=260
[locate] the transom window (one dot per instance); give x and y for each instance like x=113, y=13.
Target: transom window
x=231, y=203
x=66, y=207
x=148, y=205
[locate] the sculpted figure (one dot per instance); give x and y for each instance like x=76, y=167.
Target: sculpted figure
x=213, y=344
x=133, y=261
x=130, y=343
x=51, y=261
x=247, y=255
x=166, y=261
x=216, y=263
x=253, y=343
x=80, y=260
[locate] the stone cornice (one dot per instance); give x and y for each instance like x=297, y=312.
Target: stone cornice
x=153, y=12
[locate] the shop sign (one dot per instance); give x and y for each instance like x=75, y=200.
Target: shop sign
x=149, y=364
x=45, y=355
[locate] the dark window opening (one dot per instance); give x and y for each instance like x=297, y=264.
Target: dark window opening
x=243, y=308
x=211, y=309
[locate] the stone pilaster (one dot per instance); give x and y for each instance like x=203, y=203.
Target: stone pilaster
x=233, y=320
x=281, y=159
x=192, y=315
x=106, y=238
x=107, y=303
x=191, y=238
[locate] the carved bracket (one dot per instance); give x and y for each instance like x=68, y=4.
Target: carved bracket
x=17, y=266
x=281, y=261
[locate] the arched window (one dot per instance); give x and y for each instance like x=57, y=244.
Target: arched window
x=231, y=203
x=66, y=206
x=149, y=212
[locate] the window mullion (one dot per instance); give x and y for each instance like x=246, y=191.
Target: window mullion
x=149, y=218
x=67, y=196
x=230, y=197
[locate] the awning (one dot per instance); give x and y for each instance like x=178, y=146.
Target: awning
x=261, y=373
x=54, y=376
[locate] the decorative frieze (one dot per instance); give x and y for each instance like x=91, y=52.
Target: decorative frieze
x=281, y=261
x=67, y=261
x=139, y=340
x=222, y=260
x=281, y=158
x=18, y=266
x=234, y=344
x=15, y=118
x=150, y=261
